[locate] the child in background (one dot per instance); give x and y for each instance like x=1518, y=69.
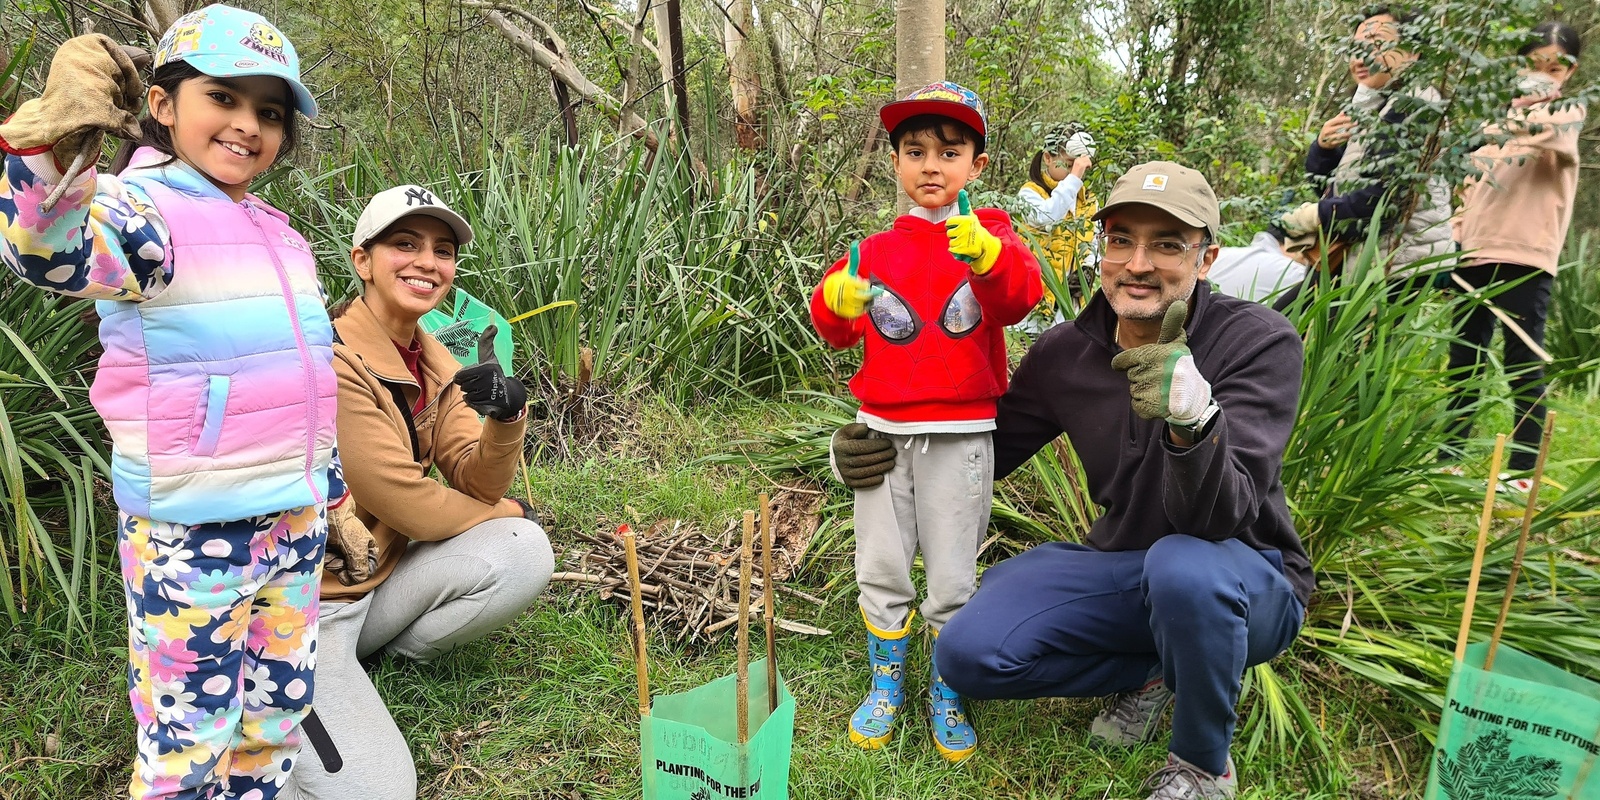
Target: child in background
x=1512, y=225
x=1058, y=207
x=930, y=298
x=216, y=383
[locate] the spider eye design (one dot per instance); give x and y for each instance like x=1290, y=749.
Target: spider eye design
x=962, y=314
x=893, y=317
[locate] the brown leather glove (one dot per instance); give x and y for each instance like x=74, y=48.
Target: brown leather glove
x=352, y=551
x=93, y=89
x=859, y=460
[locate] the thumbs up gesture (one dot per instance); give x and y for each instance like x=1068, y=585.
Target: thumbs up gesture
x=845, y=292
x=969, y=240
x=487, y=388
x=1162, y=377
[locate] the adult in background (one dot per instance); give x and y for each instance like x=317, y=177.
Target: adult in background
x=1512, y=224
x=1179, y=402
x=1366, y=168
x=1057, y=206
x=444, y=564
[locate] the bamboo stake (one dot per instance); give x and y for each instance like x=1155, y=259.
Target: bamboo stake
x=1506, y=320
x=1483, y=542
x=639, y=663
x=1522, y=540
x=742, y=676
x=770, y=610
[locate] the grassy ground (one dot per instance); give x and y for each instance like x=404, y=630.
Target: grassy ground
x=545, y=709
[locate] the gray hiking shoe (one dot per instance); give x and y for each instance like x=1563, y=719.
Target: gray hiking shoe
x=1180, y=780
x=1130, y=718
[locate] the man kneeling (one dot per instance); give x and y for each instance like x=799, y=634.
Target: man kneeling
x=1194, y=572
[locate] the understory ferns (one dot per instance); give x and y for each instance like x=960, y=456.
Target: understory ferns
x=54, y=529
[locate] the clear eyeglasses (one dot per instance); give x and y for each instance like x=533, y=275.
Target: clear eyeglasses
x=1116, y=248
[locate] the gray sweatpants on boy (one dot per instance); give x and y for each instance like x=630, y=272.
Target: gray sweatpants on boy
x=442, y=594
x=937, y=500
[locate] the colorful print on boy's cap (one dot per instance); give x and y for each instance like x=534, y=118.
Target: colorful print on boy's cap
x=227, y=42
x=945, y=99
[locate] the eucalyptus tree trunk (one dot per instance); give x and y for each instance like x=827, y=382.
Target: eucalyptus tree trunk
x=918, y=52
x=743, y=72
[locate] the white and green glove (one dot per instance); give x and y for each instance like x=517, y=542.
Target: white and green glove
x=1302, y=220
x=1162, y=377
x=969, y=240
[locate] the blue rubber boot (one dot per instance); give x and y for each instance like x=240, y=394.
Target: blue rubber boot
x=952, y=733
x=872, y=726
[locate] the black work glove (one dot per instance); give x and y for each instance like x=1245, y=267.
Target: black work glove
x=860, y=461
x=487, y=388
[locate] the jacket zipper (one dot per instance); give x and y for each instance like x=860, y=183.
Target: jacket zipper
x=306, y=367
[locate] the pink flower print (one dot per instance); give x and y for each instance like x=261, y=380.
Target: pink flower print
x=106, y=270
x=172, y=661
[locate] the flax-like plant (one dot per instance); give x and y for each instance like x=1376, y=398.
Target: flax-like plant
x=1573, y=333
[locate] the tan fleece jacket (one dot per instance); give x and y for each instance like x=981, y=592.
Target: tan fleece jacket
x=1519, y=211
x=393, y=494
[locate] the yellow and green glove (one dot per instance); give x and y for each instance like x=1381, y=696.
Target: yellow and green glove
x=845, y=292
x=93, y=89
x=1162, y=377
x=969, y=240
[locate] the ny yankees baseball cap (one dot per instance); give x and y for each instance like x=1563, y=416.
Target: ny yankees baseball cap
x=1182, y=192
x=390, y=205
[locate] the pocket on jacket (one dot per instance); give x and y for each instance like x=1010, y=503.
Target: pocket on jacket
x=208, y=414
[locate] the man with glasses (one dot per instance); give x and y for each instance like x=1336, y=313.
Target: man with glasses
x=1179, y=403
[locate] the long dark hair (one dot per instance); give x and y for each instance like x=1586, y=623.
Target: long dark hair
x=1036, y=169
x=170, y=77
x=1556, y=33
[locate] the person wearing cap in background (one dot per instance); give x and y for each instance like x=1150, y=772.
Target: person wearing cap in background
x=1179, y=403
x=1058, y=208
x=442, y=565
x=929, y=300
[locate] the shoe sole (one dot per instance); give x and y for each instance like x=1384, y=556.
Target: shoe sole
x=954, y=756
x=866, y=742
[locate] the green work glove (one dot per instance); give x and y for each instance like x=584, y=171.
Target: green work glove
x=969, y=240
x=93, y=89
x=859, y=460
x=845, y=292
x=1162, y=377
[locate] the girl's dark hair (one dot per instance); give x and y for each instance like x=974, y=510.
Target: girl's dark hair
x=1402, y=14
x=945, y=129
x=169, y=77
x=1556, y=33
x=1036, y=168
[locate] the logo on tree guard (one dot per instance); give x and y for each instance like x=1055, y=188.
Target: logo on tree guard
x=1483, y=769
x=700, y=794
x=419, y=197
x=459, y=338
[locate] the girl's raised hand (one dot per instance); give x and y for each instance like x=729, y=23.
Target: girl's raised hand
x=93, y=89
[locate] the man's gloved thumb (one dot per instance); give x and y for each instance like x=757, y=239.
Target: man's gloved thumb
x=1172, y=323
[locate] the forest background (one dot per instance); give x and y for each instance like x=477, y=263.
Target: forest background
x=687, y=224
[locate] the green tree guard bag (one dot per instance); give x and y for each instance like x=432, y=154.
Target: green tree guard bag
x=689, y=749
x=1524, y=730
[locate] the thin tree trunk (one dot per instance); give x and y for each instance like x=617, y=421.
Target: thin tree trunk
x=743, y=74
x=162, y=13
x=669, y=87
x=918, y=51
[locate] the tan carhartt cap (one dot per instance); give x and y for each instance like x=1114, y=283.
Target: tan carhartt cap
x=1173, y=188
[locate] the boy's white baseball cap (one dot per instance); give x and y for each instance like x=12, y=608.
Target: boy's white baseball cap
x=390, y=205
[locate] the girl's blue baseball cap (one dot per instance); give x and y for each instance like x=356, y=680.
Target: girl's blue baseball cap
x=227, y=42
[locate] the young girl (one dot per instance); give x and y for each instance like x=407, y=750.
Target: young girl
x=1057, y=207
x=1512, y=225
x=216, y=384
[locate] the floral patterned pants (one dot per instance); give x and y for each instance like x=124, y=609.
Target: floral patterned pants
x=222, y=631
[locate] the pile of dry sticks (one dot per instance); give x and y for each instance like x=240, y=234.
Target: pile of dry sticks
x=689, y=580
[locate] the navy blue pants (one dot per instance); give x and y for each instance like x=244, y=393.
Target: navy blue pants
x=1064, y=620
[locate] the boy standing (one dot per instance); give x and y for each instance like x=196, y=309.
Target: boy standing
x=930, y=298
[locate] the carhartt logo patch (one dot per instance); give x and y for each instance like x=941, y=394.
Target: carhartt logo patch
x=1155, y=183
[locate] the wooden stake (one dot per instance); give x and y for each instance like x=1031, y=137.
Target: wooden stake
x=1483, y=542
x=742, y=675
x=631, y=548
x=1522, y=539
x=768, y=601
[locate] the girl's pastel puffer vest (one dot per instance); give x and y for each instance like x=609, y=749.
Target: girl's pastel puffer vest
x=219, y=392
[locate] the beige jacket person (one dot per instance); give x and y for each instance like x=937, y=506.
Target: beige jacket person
x=1519, y=211
x=392, y=491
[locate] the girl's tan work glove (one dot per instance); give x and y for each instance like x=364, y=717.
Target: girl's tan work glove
x=93, y=89
x=352, y=552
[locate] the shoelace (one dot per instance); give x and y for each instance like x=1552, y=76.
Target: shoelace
x=1174, y=771
x=1132, y=707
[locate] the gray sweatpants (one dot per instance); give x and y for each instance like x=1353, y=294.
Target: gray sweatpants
x=936, y=499
x=441, y=595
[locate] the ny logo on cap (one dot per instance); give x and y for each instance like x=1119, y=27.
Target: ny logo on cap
x=417, y=195
x=1155, y=183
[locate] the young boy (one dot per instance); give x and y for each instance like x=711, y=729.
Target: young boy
x=931, y=298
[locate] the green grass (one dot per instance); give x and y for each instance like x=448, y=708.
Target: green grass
x=544, y=708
